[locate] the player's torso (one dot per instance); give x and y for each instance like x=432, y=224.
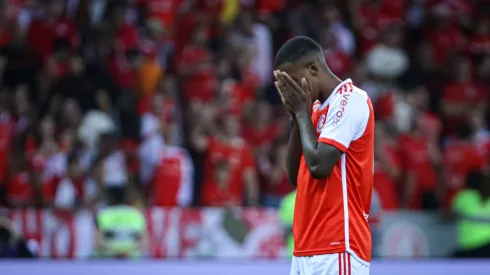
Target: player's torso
x=323, y=206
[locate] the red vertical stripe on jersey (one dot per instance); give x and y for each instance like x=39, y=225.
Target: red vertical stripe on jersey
x=340, y=264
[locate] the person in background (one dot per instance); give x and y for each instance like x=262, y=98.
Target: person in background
x=387, y=168
x=194, y=66
x=12, y=243
x=110, y=170
x=286, y=213
x=461, y=96
x=421, y=159
x=276, y=180
x=121, y=229
x=21, y=188
x=462, y=156
x=472, y=207
x=226, y=143
x=218, y=189
x=172, y=182
x=70, y=192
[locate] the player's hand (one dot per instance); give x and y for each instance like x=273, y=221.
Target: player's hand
x=295, y=98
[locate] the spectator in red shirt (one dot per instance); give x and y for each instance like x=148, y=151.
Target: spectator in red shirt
x=226, y=144
x=218, y=188
x=196, y=67
x=371, y=16
x=387, y=168
x=48, y=163
x=418, y=99
x=337, y=60
x=274, y=174
x=163, y=10
x=421, y=159
x=461, y=96
x=21, y=189
x=480, y=42
x=124, y=67
x=44, y=32
x=6, y=132
x=446, y=39
x=260, y=131
x=461, y=157
x=126, y=34
x=173, y=182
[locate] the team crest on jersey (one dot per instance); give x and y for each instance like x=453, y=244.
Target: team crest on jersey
x=316, y=105
x=321, y=123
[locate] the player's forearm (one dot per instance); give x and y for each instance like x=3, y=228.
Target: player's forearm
x=294, y=153
x=309, y=142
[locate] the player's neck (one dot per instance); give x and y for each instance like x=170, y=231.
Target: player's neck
x=329, y=86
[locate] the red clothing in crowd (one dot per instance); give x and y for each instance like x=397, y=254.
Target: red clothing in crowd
x=281, y=188
x=168, y=110
x=384, y=106
x=431, y=124
x=43, y=33
x=122, y=71
x=461, y=93
x=127, y=36
x=445, y=41
x=480, y=44
x=199, y=85
x=339, y=62
x=20, y=189
x=239, y=158
x=256, y=137
x=6, y=130
x=212, y=8
x=374, y=17
x=416, y=160
x=269, y=6
x=219, y=196
x=385, y=185
x=461, y=158
x=51, y=170
x=173, y=181
x=163, y=10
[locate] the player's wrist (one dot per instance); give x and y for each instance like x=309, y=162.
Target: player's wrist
x=301, y=113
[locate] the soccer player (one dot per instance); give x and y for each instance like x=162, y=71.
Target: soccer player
x=330, y=160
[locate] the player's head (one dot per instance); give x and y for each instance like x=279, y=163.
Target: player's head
x=302, y=57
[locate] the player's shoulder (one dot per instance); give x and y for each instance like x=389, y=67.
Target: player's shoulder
x=349, y=97
x=347, y=91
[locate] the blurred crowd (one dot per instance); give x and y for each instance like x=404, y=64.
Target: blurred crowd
x=171, y=102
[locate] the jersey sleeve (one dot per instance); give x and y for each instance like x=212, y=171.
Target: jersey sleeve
x=346, y=120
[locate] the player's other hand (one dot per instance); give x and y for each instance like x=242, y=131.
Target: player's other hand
x=295, y=97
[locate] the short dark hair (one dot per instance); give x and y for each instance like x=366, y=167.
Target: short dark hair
x=295, y=49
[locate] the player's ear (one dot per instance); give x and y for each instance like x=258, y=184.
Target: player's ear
x=312, y=68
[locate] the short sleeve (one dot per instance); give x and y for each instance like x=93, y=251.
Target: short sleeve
x=346, y=120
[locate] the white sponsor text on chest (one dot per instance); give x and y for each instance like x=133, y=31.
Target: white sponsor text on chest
x=339, y=112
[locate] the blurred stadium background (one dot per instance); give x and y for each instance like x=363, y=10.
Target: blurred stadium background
x=158, y=120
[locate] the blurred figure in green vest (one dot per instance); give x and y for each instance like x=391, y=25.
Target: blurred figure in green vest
x=121, y=228
x=286, y=213
x=472, y=207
